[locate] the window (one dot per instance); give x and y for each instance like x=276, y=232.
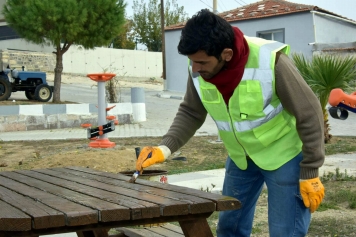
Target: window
x=276, y=35
x=7, y=33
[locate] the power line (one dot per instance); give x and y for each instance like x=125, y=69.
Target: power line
x=222, y=2
x=244, y=3
x=206, y=4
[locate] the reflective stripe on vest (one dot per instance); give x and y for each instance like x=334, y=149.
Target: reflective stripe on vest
x=264, y=74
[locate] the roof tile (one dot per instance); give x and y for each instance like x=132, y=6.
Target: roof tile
x=263, y=9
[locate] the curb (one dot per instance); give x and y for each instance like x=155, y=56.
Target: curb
x=167, y=96
x=55, y=116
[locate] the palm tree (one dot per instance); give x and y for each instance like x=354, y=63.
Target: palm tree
x=324, y=73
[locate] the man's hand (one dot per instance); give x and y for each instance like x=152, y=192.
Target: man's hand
x=312, y=191
x=151, y=155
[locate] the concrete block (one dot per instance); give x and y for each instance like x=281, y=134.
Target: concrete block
x=9, y=109
x=12, y=119
x=125, y=118
x=77, y=108
x=21, y=118
x=54, y=109
x=15, y=127
x=120, y=108
x=31, y=120
x=92, y=119
x=72, y=117
x=62, y=117
x=93, y=109
x=35, y=127
x=51, y=119
x=31, y=109
x=52, y=126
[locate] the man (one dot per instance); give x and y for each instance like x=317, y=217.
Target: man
x=270, y=121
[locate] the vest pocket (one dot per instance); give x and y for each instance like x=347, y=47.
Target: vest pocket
x=272, y=130
x=250, y=97
x=210, y=95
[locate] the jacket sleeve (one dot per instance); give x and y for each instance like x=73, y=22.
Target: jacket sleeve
x=299, y=100
x=189, y=118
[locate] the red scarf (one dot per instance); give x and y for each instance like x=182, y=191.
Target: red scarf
x=230, y=76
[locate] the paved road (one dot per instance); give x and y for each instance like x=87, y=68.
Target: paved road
x=160, y=111
x=343, y=127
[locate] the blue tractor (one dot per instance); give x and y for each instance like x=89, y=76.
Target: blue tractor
x=34, y=84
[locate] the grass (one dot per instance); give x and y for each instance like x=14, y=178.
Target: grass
x=341, y=190
x=340, y=145
x=333, y=227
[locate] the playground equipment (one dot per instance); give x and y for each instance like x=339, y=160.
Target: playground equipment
x=341, y=103
x=104, y=127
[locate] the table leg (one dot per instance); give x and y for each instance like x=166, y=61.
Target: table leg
x=196, y=228
x=94, y=233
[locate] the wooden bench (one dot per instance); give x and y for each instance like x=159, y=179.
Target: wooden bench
x=166, y=230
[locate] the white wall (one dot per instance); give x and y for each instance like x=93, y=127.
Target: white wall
x=21, y=44
x=131, y=63
x=333, y=30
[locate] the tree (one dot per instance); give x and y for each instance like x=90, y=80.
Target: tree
x=324, y=73
x=126, y=38
x=63, y=23
x=147, y=21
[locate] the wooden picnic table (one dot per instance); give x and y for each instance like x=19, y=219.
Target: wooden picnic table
x=90, y=202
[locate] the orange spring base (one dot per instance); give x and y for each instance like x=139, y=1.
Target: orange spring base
x=101, y=143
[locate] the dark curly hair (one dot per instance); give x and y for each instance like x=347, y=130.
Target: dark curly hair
x=206, y=31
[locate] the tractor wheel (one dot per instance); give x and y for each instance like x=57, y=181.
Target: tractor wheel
x=5, y=89
x=43, y=93
x=30, y=95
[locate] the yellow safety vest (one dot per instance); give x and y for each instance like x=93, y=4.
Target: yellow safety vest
x=254, y=123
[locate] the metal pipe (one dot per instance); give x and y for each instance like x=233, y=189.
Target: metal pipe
x=215, y=6
x=101, y=106
x=314, y=26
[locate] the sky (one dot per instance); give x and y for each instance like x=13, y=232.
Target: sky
x=344, y=8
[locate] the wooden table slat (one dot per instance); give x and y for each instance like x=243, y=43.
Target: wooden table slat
x=75, y=214
x=166, y=232
x=222, y=202
x=196, y=204
x=144, y=198
x=42, y=215
x=107, y=211
x=139, y=232
x=13, y=219
x=173, y=228
x=139, y=209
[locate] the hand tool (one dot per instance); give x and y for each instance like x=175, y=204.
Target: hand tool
x=137, y=172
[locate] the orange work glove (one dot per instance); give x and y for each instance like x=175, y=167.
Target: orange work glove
x=312, y=191
x=151, y=155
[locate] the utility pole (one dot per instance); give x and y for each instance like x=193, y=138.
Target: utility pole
x=215, y=8
x=163, y=42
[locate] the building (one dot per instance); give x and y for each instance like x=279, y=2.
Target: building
x=301, y=26
x=10, y=40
